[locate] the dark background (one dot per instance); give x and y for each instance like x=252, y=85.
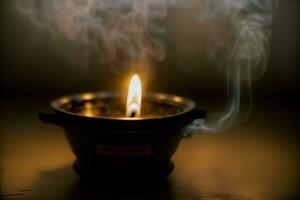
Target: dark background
x=35, y=62
x=258, y=158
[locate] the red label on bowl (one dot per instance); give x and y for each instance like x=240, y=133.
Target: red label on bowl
x=128, y=151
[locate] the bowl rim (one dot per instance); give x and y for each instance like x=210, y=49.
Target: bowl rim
x=56, y=104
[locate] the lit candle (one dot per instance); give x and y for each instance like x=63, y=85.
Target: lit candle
x=100, y=131
x=134, y=98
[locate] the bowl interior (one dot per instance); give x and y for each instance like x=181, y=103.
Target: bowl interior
x=113, y=105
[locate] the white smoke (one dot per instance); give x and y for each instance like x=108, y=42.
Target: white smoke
x=124, y=31
x=250, y=20
x=117, y=30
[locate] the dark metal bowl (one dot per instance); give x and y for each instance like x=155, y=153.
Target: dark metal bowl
x=111, y=146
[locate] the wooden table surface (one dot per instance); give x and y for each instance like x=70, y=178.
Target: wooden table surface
x=256, y=159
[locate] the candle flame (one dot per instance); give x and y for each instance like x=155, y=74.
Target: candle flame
x=134, y=98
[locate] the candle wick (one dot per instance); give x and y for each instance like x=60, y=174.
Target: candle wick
x=133, y=114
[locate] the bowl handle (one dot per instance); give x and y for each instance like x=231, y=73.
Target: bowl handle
x=197, y=117
x=51, y=118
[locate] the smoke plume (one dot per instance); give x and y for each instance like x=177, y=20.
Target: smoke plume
x=124, y=33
